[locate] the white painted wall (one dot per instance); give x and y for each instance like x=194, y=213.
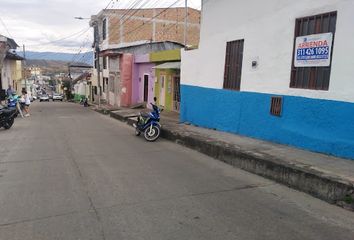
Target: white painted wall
x=80, y=88
x=6, y=74
x=268, y=30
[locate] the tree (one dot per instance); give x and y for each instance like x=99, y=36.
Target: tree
x=66, y=84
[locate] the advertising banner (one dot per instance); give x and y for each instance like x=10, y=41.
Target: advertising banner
x=313, y=50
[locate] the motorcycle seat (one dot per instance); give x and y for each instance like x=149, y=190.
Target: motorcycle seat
x=144, y=115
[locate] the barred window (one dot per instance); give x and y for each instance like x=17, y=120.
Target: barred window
x=104, y=29
x=233, y=65
x=316, y=78
x=104, y=62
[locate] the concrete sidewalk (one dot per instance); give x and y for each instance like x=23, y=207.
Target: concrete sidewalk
x=325, y=177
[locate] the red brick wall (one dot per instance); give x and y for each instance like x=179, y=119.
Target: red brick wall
x=142, y=29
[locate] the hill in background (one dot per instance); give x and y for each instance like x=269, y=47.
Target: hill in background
x=55, y=62
x=58, y=56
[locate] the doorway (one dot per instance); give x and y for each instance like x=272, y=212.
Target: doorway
x=146, y=87
x=176, y=93
x=162, y=90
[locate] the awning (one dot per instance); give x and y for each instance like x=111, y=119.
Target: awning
x=169, y=65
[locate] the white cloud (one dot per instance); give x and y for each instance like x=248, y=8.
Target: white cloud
x=36, y=22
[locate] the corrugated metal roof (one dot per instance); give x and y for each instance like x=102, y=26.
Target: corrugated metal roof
x=143, y=47
x=13, y=56
x=169, y=65
x=10, y=42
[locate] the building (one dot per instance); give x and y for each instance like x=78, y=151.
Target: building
x=34, y=71
x=120, y=73
x=157, y=75
x=135, y=30
x=167, y=83
x=281, y=71
x=117, y=26
x=81, y=88
x=10, y=65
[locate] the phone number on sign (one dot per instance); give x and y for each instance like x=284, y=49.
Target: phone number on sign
x=313, y=53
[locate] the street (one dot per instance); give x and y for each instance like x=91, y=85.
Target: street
x=68, y=172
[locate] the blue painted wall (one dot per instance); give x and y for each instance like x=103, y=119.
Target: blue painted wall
x=314, y=124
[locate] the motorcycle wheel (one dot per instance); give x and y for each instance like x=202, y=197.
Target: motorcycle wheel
x=152, y=134
x=9, y=123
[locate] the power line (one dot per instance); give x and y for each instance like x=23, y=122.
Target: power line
x=134, y=12
x=84, y=44
x=81, y=32
x=128, y=10
x=140, y=26
x=7, y=30
x=151, y=18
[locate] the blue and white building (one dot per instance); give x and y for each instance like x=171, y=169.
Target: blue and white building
x=281, y=71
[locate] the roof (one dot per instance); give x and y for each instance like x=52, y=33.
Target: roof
x=13, y=56
x=83, y=76
x=80, y=66
x=142, y=47
x=169, y=65
x=132, y=44
x=12, y=44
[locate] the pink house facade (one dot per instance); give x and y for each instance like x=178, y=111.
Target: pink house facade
x=127, y=76
x=143, y=80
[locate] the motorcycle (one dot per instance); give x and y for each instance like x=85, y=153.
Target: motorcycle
x=86, y=103
x=149, y=124
x=7, y=117
x=12, y=104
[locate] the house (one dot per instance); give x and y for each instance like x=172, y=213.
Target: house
x=152, y=72
x=119, y=74
x=118, y=26
x=129, y=30
x=144, y=83
x=167, y=84
x=10, y=64
x=81, y=87
x=281, y=71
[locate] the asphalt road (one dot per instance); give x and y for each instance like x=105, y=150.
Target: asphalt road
x=70, y=173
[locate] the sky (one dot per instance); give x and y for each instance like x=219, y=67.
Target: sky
x=38, y=24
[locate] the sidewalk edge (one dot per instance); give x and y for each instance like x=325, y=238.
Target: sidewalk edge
x=331, y=189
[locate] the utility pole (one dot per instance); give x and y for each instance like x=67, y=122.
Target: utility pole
x=68, y=91
x=24, y=67
x=97, y=50
x=185, y=22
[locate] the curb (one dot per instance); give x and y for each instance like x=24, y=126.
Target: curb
x=328, y=188
x=317, y=184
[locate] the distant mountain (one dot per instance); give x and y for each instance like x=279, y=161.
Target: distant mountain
x=58, y=56
x=52, y=66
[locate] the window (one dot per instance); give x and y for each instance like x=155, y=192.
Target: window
x=105, y=83
x=111, y=83
x=104, y=29
x=316, y=78
x=95, y=63
x=233, y=65
x=104, y=62
x=276, y=106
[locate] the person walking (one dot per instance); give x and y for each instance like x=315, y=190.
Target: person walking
x=27, y=102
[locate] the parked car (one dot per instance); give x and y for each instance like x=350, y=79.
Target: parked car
x=44, y=97
x=57, y=97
